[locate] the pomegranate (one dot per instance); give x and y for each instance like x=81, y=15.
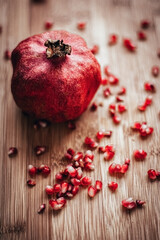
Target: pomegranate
x=55, y=76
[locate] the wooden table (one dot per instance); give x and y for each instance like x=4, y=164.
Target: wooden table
x=101, y=218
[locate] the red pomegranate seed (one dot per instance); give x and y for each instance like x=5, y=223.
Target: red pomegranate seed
x=71, y=171
x=129, y=45
x=71, y=125
x=118, y=168
x=79, y=173
x=70, y=151
x=136, y=126
x=59, y=177
x=116, y=119
x=85, y=181
x=92, y=191
x=127, y=161
x=95, y=49
x=142, y=35
x=152, y=174
x=148, y=101
x=102, y=149
x=44, y=169
x=98, y=185
x=119, y=99
x=112, y=109
x=108, y=155
x=145, y=130
x=108, y=133
x=78, y=156
x=111, y=168
x=57, y=204
x=121, y=108
x=104, y=81
x=113, y=80
x=140, y=154
x=107, y=70
x=32, y=170
x=49, y=190
x=90, y=142
x=89, y=166
x=64, y=187
x=41, y=208
x=112, y=39
x=128, y=203
x=48, y=25
x=87, y=160
x=93, y=107
x=140, y=203
x=75, y=181
x=75, y=190
x=155, y=71
x=107, y=92
x=145, y=24
x=57, y=188
x=122, y=91
x=81, y=25
x=113, y=186
x=142, y=108
x=68, y=156
x=70, y=187
x=69, y=195
x=100, y=135
x=7, y=54
x=39, y=150
x=149, y=87
x=12, y=152
x=124, y=168
x=89, y=154
x=31, y=182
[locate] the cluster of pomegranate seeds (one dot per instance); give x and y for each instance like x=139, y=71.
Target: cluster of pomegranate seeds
x=140, y=154
x=81, y=25
x=40, y=124
x=7, y=54
x=39, y=150
x=122, y=91
x=113, y=186
x=41, y=208
x=44, y=169
x=147, y=102
x=155, y=71
x=129, y=45
x=92, y=190
x=142, y=35
x=153, y=175
x=31, y=183
x=112, y=110
x=48, y=25
x=95, y=49
x=103, y=133
x=107, y=92
x=90, y=142
x=113, y=38
x=145, y=24
x=12, y=152
x=71, y=125
x=115, y=168
x=130, y=204
x=142, y=128
x=93, y=107
x=149, y=87
x=113, y=80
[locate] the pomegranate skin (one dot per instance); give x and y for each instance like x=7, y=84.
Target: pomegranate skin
x=55, y=89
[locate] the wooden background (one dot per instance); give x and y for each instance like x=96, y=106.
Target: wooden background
x=82, y=218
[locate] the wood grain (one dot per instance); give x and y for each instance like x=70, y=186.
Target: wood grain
x=82, y=218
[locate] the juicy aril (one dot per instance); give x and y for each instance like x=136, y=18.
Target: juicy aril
x=55, y=76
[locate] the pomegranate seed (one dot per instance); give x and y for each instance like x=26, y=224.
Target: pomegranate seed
x=31, y=183
x=140, y=203
x=57, y=188
x=85, y=181
x=145, y=130
x=136, y=126
x=69, y=195
x=145, y=24
x=92, y=191
x=129, y=45
x=111, y=168
x=102, y=149
x=32, y=170
x=70, y=151
x=81, y=25
x=127, y=161
x=140, y=154
x=100, y=135
x=155, y=71
x=128, y=203
x=122, y=91
x=90, y=142
x=75, y=190
x=108, y=133
x=49, y=190
x=113, y=186
x=113, y=80
x=57, y=204
x=142, y=36
x=104, y=81
x=112, y=39
x=107, y=92
x=7, y=54
x=93, y=107
x=78, y=156
x=107, y=70
x=119, y=99
x=108, y=155
x=68, y=156
x=98, y=185
x=71, y=125
x=48, y=25
x=70, y=187
x=12, y=151
x=41, y=208
x=79, y=173
x=112, y=109
x=64, y=187
x=124, y=168
x=44, y=169
x=89, y=154
x=75, y=181
x=89, y=166
x=116, y=119
x=118, y=168
x=148, y=101
x=149, y=87
x=121, y=108
x=39, y=150
x=142, y=108
x=71, y=171
x=152, y=174
x=95, y=49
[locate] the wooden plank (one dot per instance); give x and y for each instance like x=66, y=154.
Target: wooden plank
x=82, y=218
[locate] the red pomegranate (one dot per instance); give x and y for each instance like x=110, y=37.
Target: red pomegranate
x=55, y=76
